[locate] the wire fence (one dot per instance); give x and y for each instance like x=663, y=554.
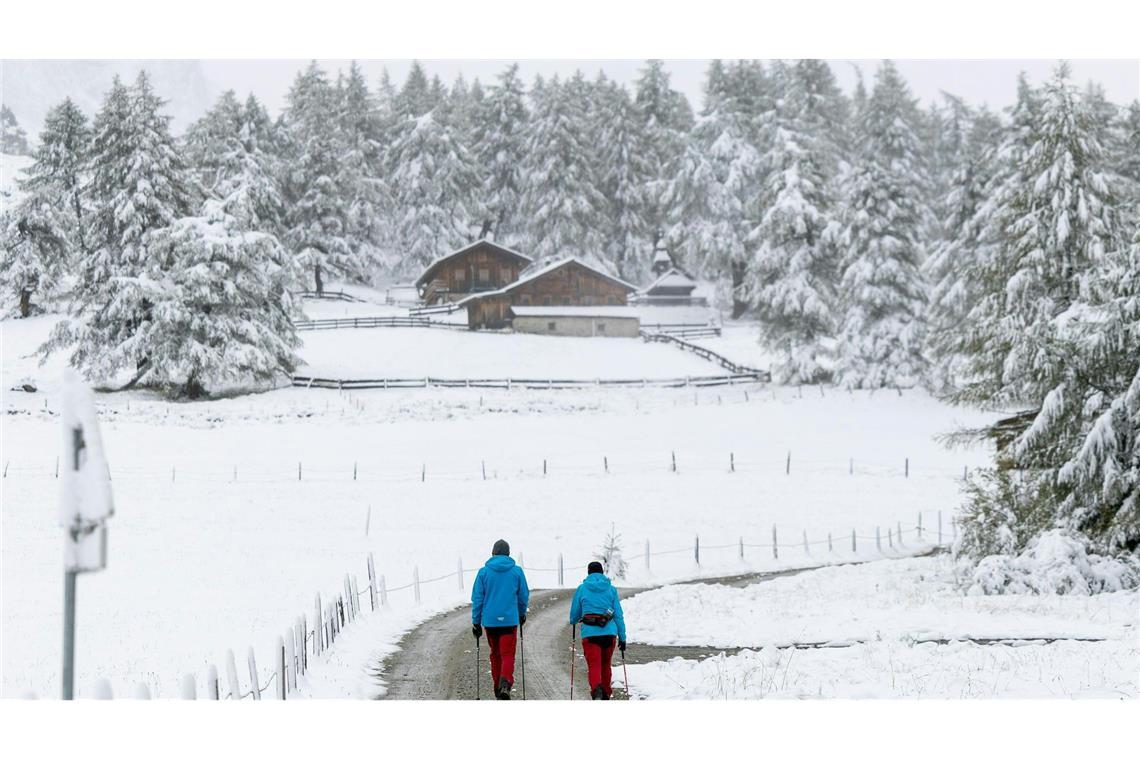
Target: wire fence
x=308, y=638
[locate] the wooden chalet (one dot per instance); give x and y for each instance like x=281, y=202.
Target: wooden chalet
x=673, y=286
x=569, y=282
x=481, y=267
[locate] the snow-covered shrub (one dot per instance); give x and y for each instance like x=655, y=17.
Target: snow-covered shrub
x=610, y=555
x=1056, y=562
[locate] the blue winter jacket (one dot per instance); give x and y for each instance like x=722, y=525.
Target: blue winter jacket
x=597, y=595
x=500, y=593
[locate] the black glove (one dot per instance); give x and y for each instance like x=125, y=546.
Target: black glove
x=522, y=620
x=476, y=630
x=621, y=645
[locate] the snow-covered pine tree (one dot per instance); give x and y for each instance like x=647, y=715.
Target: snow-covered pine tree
x=13, y=139
x=500, y=128
x=791, y=279
x=716, y=189
x=667, y=118
x=626, y=175
x=961, y=248
x=207, y=140
x=433, y=176
x=881, y=338
x=363, y=192
x=316, y=219
x=560, y=198
x=139, y=184
x=222, y=308
x=34, y=250
x=1127, y=163
x=414, y=98
x=60, y=170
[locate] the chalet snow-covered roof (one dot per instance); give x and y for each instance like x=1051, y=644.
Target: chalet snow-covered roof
x=674, y=278
x=608, y=312
x=536, y=272
x=431, y=268
x=662, y=256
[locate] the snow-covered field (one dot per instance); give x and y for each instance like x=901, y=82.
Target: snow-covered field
x=202, y=560
x=893, y=628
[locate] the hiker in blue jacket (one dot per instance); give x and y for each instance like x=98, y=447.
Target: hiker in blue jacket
x=597, y=607
x=499, y=600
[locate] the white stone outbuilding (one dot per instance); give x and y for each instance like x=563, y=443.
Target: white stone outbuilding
x=580, y=321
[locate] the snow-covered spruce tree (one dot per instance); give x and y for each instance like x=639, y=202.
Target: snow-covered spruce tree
x=365, y=195
x=1065, y=316
x=501, y=123
x=432, y=175
x=716, y=189
x=881, y=337
x=34, y=251
x=139, y=184
x=960, y=248
x=560, y=199
x=13, y=139
x=626, y=175
x=415, y=98
x=221, y=312
x=316, y=217
x=59, y=172
x=667, y=118
x=1127, y=163
x=791, y=279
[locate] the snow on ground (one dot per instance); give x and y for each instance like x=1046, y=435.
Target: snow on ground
x=217, y=544
x=420, y=352
x=885, y=625
x=740, y=342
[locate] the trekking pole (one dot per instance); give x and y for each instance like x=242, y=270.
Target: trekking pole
x=572, y=632
x=522, y=659
x=478, y=680
x=625, y=674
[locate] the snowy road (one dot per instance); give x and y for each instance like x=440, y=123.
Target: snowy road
x=437, y=659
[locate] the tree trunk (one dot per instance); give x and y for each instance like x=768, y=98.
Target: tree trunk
x=194, y=389
x=738, y=306
x=317, y=278
x=25, y=303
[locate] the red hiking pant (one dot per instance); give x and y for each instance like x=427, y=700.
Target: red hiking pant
x=598, y=651
x=502, y=641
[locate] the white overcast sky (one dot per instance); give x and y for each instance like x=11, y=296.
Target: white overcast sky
x=979, y=81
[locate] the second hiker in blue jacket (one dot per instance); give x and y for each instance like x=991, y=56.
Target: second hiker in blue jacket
x=499, y=599
x=597, y=607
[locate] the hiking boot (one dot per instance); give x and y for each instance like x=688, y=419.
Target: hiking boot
x=504, y=690
x=597, y=693
x=606, y=694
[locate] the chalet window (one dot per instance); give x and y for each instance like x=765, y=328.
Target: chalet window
x=546, y=301
x=460, y=275
x=505, y=276
x=600, y=327
x=588, y=300
x=524, y=300
x=551, y=326
x=612, y=300
x=484, y=275
x=565, y=300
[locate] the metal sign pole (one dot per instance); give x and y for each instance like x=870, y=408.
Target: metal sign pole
x=69, y=634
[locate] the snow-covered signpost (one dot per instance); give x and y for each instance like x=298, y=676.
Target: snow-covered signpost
x=85, y=504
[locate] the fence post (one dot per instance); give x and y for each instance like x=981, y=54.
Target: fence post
x=291, y=666
x=383, y=592
x=954, y=529
x=348, y=597
x=647, y=555
x=299, y=634
x=775, y=545
x=851, y=466
x=731, y=462
x=940, y=527
x=484, y=464
x=898, y=532
x=697, y=549
x=854, y=547
x=606, y=464
x=254, y=686
x=354, y=470
x=544, y=468
x=57, y=470
x=560, y=570
x=674, y=454
x=298, y=470
x=830, y=549
x=878, y=540
x=788, y=465
x=188, y=690
x=890, y=538
x=231, y=675
x=211, y=683
x=416, y=582
x=460, y=573
x=806, y=550
x=282, y=684
x=372, y=581
x=920, y=526
x=742, y=547
x=318, y=627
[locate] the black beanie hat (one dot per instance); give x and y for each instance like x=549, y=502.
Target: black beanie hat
x=501, y=547
x=594, y=567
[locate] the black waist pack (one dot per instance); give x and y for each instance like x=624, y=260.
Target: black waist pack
x=597, y=619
